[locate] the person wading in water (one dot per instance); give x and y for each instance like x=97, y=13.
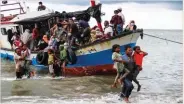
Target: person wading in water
x=130, y=65
x=19, y=62
x=138, y=58
x=118, y=64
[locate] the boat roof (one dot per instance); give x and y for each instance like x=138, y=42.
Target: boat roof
x=32, y=15
x=36, y=19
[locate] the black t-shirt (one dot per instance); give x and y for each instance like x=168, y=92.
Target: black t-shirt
x=42, y=45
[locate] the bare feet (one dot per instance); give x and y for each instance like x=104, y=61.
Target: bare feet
x=114, y=85
x=126, y=100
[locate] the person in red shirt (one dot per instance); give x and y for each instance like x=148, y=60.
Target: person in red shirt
x=117, y=21
x=35, y=37
x=138, y=59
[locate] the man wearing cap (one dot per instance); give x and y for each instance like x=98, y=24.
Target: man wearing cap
x=122, y=16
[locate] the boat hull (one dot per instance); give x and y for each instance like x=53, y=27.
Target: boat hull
x=92, y=60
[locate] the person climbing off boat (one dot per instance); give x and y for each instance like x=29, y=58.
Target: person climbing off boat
x=26, y=52
x=138, y=58
x=18, y=59
x=118, y=64
x=63, y=57
x=51, y=61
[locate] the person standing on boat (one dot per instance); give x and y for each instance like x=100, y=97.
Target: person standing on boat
x=138, y=58
x=131, y=26
x=19, y=62
x=10, y=35
x=122, y=16
x=35, y=37
x=41, y=6
x=117, y=21
x=26, y=37
x=130, y=65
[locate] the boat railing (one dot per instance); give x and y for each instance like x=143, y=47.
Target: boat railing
x=19, y=8
x=10, y=17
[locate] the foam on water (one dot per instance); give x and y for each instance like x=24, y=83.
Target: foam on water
x=161, y=80
x=106, y=99
x=33, y=78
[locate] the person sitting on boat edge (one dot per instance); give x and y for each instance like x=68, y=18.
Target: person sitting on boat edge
x=108, y=30
x=131, y=26
x=93, y=36
x=41, y=6
x=138, y=58
x=118, y=64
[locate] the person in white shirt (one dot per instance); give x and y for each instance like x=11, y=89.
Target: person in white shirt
x=26, y=53
x=121, y=14
x=18, y=58
x=26, y=37
x=108, y=28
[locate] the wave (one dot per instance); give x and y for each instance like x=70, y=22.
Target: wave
x=146, y=15
x=106, y=99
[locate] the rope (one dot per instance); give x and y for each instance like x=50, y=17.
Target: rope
x=163, y=39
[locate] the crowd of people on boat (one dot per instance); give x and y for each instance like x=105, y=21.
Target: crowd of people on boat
x=63, y=34
x=72, y=33
x=128, y=67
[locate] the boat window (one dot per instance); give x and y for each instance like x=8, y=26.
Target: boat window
x=3, y=31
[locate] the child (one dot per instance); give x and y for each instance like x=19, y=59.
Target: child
x=63, y=57
x=138, y=58
x=57, y=68
x=118, y=64
x=51, y=61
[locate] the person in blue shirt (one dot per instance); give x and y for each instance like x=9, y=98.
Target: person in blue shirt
x=128, y=86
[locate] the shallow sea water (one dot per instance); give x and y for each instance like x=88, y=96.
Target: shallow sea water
x=161, y=80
